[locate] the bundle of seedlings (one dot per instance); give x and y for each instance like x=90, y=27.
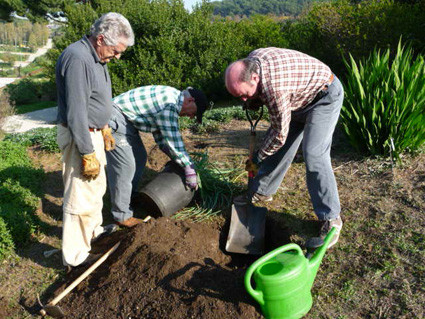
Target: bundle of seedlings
x=217, y=187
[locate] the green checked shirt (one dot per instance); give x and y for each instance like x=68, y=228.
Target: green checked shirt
x=156, y=109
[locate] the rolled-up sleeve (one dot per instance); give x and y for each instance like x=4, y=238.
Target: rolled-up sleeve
x=280, y=118
x=169, y=136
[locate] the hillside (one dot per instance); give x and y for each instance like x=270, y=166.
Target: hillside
x=250, y=7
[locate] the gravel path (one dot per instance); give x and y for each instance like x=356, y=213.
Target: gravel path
x=6, y=81
x=24, y=122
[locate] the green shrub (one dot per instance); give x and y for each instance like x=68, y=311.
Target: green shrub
x=385, y=100
x=225, y=115
x=332, y=29
x=20, y=192
x=207, y=126
x=6, y=242
x=30, y=90
x=45, y=138
x=212, y=119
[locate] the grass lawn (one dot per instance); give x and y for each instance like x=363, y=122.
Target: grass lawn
x=25, y=108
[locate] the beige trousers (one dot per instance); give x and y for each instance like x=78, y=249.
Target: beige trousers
x=82, y=199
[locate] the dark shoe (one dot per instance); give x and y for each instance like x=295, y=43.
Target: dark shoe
x=326, y=228
x=107, y=230
x=131, y=222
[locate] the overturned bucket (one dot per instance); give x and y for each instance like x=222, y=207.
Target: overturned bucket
x=167, y=193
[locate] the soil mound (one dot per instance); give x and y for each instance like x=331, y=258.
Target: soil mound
x=164, y=269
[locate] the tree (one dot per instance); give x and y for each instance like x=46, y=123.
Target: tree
x=9, y=58
x=33, y=10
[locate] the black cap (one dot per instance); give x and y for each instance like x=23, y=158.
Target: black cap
x=200, y=101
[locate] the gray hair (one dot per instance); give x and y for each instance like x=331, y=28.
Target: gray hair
x=250, y=66
x=115, y=28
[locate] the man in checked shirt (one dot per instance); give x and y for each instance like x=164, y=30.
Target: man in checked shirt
x=304, y=99
x=153, y=109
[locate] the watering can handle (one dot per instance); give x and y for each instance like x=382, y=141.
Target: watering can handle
x=258, y=295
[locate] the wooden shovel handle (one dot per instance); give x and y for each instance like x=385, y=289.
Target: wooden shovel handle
x=84, y=275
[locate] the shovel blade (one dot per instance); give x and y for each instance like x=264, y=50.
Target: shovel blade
x=246, y=232
x=54, y=311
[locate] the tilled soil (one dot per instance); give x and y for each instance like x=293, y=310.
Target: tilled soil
x=164, y=269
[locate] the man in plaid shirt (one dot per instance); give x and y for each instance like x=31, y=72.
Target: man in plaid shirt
x=153, y=109
x=304, y=100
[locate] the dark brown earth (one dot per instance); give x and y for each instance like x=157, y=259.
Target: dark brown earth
x=164, y=269
x=174, y=269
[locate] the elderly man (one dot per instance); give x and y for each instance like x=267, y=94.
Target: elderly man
x=153, y=109
x=84, y=109
x=304, y=99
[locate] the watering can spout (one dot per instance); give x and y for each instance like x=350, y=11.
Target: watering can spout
x=316, y=260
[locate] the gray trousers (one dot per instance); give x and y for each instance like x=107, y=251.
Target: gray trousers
x=125, y=164
x=313, y=125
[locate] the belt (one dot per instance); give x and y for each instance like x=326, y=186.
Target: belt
x=91, y=129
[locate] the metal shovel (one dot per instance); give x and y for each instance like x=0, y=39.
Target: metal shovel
x=247, y=224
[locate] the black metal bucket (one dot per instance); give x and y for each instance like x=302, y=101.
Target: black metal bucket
x=167, y=193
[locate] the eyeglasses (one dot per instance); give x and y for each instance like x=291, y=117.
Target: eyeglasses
x=117, y=52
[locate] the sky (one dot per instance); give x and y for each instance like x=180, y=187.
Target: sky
x=189, y=3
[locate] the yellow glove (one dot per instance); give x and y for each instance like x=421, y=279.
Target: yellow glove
x=108, y=139
x=90, y=168
x=250, y=166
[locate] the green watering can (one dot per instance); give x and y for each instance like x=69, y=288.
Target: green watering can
x=284, y=278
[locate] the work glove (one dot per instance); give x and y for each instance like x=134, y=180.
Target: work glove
x=250, y=166
x=253, y=165
x=191, y=178
x=108, y=139
x=90, y=168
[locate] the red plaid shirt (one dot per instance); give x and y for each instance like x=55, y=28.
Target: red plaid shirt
x=290, y=80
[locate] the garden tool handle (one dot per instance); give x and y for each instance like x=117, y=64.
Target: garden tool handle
x=254, y=124
x=252, y=137
x=258, y=295
x=84, y=275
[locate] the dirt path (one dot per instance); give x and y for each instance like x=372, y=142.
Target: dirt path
x=31, y=57
x=6, y=81
x=23, y=122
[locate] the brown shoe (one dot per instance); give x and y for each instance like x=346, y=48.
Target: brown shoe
x=131, y=222
x=258, y=198
x=255, y=198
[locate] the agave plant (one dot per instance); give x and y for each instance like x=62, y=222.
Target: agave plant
x=384, y=109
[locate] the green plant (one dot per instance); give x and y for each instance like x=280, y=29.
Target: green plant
x=331, y=29
x=25, y=108
x=384, y=109
x=225, y=115
x=6, y=242
x=30, y=90
x=45, y=138
x=216, y=187
x=20, y=192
